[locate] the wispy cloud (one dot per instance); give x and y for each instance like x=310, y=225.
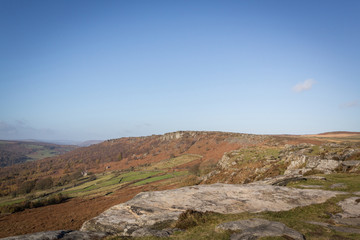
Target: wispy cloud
x=351, y=104
x=303, y=86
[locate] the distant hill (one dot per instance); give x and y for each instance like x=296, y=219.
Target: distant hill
x=340, y=133
x=338, y=136
x=88, y=143
x=15, y=152
x=131, y=152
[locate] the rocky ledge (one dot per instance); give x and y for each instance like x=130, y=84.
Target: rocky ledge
x=256, y=228
x=153, y=208
x=60, y=234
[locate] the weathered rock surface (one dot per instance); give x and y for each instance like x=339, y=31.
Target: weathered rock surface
x=351, y=214
x=143, y=232
x=150, y=208
x=328, y=158
x=338, y=185
x=297, y=159
x=256, y=228
x=61, y=234
x=351, y=207
x=348, y=221
x=281, y=180
x=337, y=228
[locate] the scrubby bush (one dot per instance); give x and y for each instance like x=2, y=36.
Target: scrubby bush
x=190, y=218
x=44, y=183
x=92, y=177
x=190, y=181
x=195, y=169
x=53, y=199
x=26, y=187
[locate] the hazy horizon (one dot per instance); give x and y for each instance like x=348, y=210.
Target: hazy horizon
x=95, y=70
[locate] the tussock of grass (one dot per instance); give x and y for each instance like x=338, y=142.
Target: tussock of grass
x=351, y=180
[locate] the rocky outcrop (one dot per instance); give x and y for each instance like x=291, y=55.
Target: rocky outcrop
x=326, y=158
x=256, y=163
x=281, y=180
x=61, y=234
x=256, y=228
x=153, y=208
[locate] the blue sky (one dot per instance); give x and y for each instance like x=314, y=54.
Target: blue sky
x=83, y=70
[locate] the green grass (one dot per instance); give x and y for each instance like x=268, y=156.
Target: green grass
x=174, y=162
x=351, y=180
x=109, y=182
x=4, y=202
x=40, y=154
x=161, y=177
x=253, y=154
x=132, y=176
x=315, y=151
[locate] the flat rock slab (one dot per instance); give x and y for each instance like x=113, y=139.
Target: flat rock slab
x=255, y=228
x=351, y=207
x=348, y=221
x=336, y=228
x=351, y=212
x=61, y=234
x=150, y=208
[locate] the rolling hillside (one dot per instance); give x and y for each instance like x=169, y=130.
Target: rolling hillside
x=78, y=185
x=14, y=152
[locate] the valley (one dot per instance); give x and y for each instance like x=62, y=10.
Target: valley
x=14, y=152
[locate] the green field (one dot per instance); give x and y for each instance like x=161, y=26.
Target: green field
x=174, y=162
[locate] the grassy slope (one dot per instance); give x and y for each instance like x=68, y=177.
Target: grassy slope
x=108, y=182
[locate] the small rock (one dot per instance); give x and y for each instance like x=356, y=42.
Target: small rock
x=316, y=178
x=338, y=185
x=351, y=207
x=336, y=228
x=351, y=163
x=348, y=221
x=327, y=166
x=144, y=232
x=281, y=180
x=255, y=228
x=311, y=186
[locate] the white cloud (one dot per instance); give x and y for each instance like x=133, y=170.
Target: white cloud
x=303, y=86
x=350, y=104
